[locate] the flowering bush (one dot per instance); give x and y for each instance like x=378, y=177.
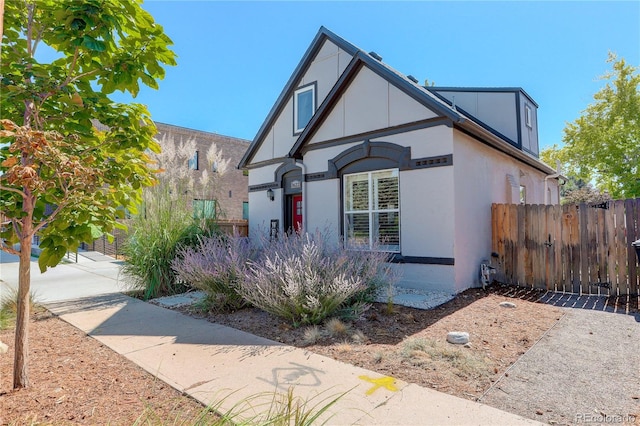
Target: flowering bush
x=303, y=278
x=216, y=265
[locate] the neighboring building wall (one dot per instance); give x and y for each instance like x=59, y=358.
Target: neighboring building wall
x=231, y=189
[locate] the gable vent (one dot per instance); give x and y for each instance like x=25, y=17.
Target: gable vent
x=375, y=56
x=412, y=78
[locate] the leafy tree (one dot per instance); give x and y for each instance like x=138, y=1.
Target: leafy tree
x=574, y=189
x=603, y=145
x=60, y=177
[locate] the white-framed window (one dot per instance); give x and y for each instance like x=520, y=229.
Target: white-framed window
x=193, y=162
x=204, y=209
x=528, y=119
x=523, y=194
x=372, y=210
x=304, y=106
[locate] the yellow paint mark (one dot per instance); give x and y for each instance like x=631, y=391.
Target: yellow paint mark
x=382, y=382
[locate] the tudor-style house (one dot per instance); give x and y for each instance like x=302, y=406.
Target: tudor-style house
x=357, y=147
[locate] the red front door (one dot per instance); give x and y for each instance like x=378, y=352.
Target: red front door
x=296, y=213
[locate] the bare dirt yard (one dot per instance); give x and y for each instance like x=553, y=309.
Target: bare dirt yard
x=77, y=380
x=410, y=344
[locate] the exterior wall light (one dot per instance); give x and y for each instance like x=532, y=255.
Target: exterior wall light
x=270, y=195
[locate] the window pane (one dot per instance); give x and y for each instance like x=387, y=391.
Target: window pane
x=385, y=190
x=305, y=108
x=357, y=229
x=357, y=192
x=193, y=161
x=245, y=210
x=372, y=210
x=386, y=231
x=204, y=209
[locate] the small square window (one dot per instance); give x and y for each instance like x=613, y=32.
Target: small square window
x=304, y=106
x=527, y=116
x=193, y=162
x=204, y=209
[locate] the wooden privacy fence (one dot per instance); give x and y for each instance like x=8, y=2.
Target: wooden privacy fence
x=583, y=248
x=233, y=226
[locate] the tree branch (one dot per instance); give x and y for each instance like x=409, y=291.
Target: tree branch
x=16, y=229
x=17, y=191
x=71, y=68
x=50, y=217
x=8, y=249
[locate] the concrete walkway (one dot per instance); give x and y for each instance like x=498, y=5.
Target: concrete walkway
x=214, y=363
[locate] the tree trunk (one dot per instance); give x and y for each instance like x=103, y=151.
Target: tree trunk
x=20, y=363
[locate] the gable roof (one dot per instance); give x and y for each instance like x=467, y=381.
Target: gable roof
x=463, y=121
x=322, y=35
x=402, y=82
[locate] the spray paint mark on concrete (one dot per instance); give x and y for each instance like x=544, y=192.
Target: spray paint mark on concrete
x=381, y=382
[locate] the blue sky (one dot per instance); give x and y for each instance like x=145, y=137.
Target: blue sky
x=234, y=58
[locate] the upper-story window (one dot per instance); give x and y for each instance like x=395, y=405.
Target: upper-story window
x=528, y=120
x=193, y=162
x=304, y=105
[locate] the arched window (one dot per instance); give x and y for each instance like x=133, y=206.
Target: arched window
x=370, y=175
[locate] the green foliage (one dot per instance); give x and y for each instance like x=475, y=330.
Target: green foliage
x=155, y=237
x=603, y=145
x=165, y=224
x=265, y=408
x=55, y=156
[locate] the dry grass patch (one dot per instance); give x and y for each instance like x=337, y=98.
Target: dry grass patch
x=437, y=355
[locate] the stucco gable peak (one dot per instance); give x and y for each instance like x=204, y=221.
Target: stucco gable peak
x=318, y=41
x=374, y=63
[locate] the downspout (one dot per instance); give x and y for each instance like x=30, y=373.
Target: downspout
x=303, y=170
x=557, y=175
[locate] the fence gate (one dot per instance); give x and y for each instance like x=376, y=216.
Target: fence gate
x=577, y=248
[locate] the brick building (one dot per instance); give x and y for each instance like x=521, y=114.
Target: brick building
x=230, y=199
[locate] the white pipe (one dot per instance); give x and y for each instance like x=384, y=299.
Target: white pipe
x=557, y=175
x=303, y=170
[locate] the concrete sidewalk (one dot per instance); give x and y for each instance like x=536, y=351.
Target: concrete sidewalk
x=67, y=280
x=214, y=363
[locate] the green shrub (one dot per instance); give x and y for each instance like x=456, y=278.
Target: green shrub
x=155, y=236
